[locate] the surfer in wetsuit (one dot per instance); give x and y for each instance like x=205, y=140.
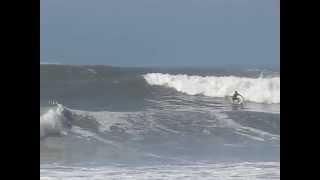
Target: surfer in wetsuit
x=235, y=96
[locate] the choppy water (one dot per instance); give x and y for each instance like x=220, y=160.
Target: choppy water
x=134, y=123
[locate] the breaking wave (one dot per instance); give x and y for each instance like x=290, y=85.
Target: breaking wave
x=260, y=90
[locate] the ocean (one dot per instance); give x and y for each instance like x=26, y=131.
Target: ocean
x=104, y=122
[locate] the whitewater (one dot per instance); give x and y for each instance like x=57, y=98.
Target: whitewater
x=261, y=90
x=145, y=123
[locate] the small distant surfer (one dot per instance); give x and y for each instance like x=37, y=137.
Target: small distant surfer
x=235, y=97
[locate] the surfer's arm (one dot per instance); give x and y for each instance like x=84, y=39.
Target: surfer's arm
x=240, y=96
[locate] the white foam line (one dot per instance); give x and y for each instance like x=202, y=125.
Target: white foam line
x=261, y=90
x=219, y=171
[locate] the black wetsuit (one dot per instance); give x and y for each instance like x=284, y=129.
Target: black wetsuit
x=235, y=96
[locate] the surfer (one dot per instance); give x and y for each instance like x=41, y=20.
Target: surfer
x=235, y=96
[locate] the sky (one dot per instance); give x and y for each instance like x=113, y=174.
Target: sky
x=160, y=33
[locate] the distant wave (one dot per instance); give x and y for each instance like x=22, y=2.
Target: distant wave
x=48, y=63
x=261, y=90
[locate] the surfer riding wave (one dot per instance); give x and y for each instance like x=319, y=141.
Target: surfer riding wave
x=236, y=97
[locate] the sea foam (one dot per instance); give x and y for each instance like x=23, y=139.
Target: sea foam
x=261, y=90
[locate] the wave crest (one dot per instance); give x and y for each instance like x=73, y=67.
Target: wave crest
x=261, y=90
x=55, y=122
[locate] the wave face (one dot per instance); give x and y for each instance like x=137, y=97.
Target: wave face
x=261, y=90
x=90, y=87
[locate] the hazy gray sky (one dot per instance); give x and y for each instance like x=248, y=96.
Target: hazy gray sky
x=160, y=32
